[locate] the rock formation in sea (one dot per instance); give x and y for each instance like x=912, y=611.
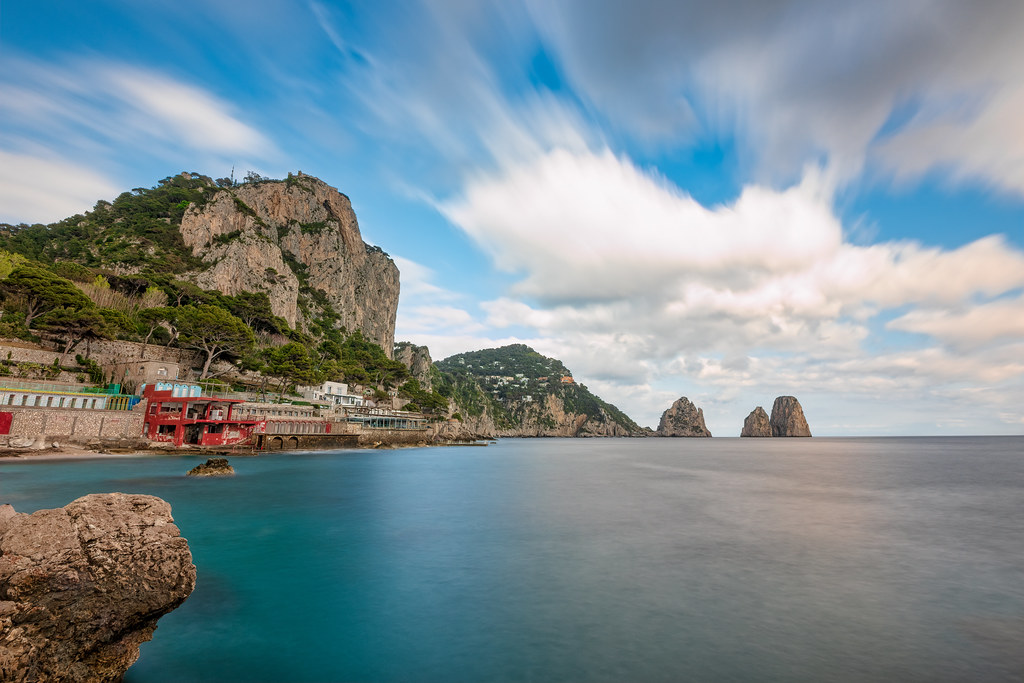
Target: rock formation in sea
x=292, y=239
x=417, y=359
x=788, y=418
x=213, y=467
x=82, y=586
x=757, y=423
x=682, y=419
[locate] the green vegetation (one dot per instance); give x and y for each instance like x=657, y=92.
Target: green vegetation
x=140, y=228
x=509, y=380
x=120, y=272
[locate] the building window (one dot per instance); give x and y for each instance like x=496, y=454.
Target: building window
x=161, y=372
x=38, y=401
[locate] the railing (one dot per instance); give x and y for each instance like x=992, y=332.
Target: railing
x=76, y=400
x=7, y=384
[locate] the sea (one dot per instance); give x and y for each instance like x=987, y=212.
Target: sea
x=724, y=559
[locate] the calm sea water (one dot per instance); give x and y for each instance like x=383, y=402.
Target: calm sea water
x=588, y=560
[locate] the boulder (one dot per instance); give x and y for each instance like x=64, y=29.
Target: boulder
x=214, y=467
x=757, y=423
x=788, y=418
x=682, y=419
x=81, y=587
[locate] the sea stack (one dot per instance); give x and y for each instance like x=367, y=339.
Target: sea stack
x=757, y=423
x=214, y=467
x=682, y=419
x=82, y=586
x=788, y=418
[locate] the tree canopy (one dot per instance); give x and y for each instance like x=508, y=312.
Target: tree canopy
x=213, y=331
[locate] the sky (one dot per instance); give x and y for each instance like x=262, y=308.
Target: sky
x=726, y=201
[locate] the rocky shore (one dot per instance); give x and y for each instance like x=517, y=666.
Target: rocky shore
x=81, y=587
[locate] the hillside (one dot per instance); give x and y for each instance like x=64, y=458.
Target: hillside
x=296, y=240
x=271, y=275
x=515, y=391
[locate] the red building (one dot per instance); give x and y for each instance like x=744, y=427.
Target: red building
x=175, y=416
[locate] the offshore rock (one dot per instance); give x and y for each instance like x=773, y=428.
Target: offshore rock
x=682, y=419
x=81, y=587
x=757, y=423
x=788, y=418
x=417, y=359
x=278, y=237
x=214, y=467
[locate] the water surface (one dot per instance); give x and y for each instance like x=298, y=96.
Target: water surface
x=588, y=560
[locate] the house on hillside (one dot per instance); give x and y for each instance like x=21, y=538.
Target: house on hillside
x=135, y=373
x=335, y=393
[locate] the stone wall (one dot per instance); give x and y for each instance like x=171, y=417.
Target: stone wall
x=110, y=354
x=40, y=427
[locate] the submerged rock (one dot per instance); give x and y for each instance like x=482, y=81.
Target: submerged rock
x=81, y=587
x=788, y=418
x=757, y=423
x=682, y=419
x=214, y=467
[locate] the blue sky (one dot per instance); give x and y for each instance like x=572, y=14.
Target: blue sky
x=727, y=201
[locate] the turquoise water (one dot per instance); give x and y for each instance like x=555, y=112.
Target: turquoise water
x=588, y=560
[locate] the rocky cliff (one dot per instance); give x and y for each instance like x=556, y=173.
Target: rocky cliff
x=788, y=418
x=757, y=423
x=417, y=359
x=547, y=417
x=82, y=586
x=515, y=391
x=298, y=241
x=682, y=419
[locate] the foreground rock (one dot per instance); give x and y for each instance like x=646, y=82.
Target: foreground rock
x=757, y=423
x=682, y=419
x=788, y=418
x=214, y=467
x=81, y=587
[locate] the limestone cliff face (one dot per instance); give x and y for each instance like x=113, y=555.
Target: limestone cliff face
x=417, y=359
x=682, y=419
x=788, y=418
x=82, y=586
x=545, y=417
x=284, y=237
x=757, y=423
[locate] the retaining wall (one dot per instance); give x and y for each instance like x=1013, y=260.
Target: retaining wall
x=41, y=427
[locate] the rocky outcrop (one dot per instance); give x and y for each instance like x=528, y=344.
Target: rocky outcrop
x=788, y=418
x=282, y=237
x=82, y=586
x=546, y=416
x=757, y=423
x=214, y=467
x=417, y=359
x=682, y=419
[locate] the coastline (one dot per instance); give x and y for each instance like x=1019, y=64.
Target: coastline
x=69, y=452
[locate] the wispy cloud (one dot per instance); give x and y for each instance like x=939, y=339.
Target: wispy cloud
x=35, y=189
x=86, y=112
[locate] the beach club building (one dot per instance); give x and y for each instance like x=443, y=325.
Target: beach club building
x=180, y=414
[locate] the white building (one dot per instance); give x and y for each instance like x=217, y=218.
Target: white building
x=335, y=393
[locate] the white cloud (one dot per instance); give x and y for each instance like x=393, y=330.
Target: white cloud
x=417, y=281
x=175, y=111
x=634, y=284
x=35, y=189
x=804, y=79
x=94, y=112
x=967, y=327
x=590, y=228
